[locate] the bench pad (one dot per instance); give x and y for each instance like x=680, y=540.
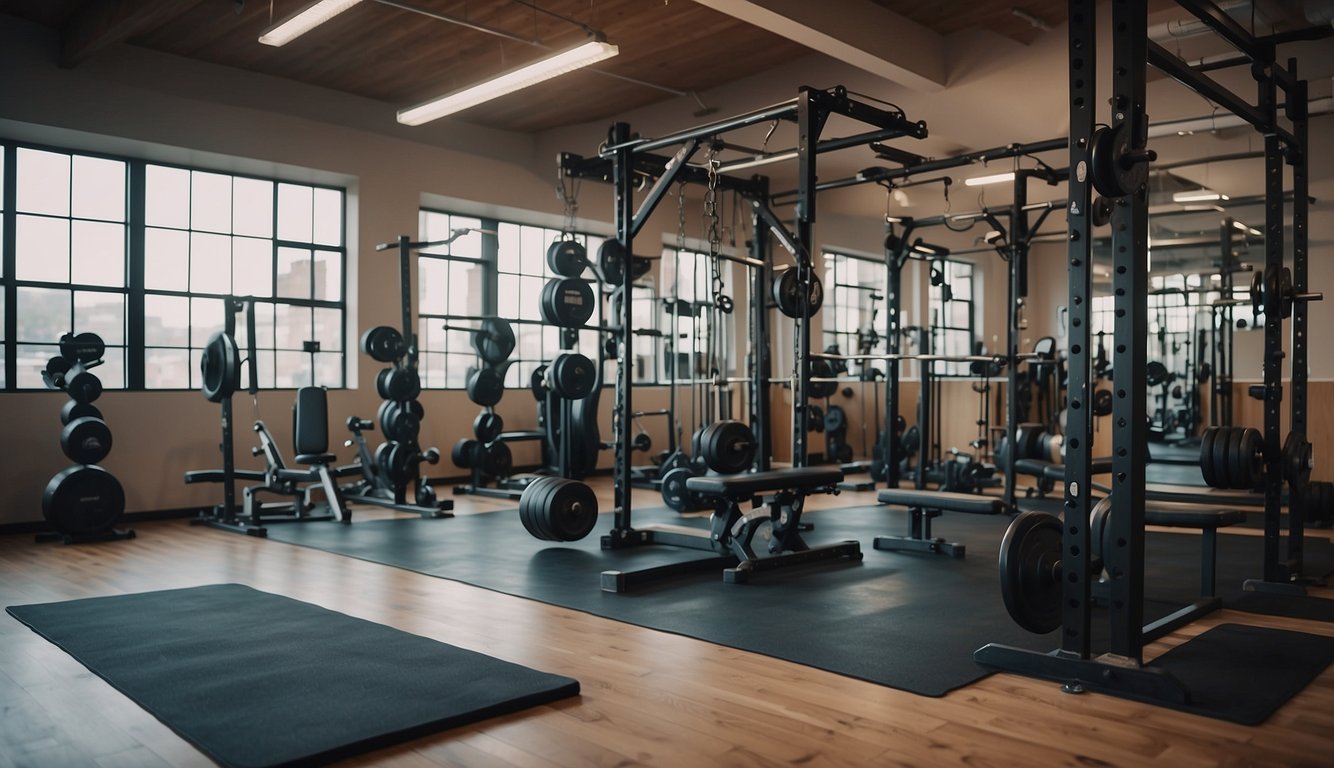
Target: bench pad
x=953, y=502
x=1179, y=515
x=748, y=485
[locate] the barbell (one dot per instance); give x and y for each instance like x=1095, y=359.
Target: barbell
x=1234, y=457
x=1275, y=283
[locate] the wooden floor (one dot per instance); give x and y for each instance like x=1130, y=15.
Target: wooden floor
x=648, y=697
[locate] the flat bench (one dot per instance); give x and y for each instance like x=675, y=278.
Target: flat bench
x=922, y=506
x=746, y=486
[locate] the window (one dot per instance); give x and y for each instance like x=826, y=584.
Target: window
x=498, y=268
x=951, y=318
x=134, y=251
x=687, y=278
x=853, y=312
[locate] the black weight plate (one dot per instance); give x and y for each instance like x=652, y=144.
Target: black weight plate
x=383, y=415
x=572, y=375
x=86, y=440
x=845, y=453
x=494, y=340
x=527, y=503
x=383, y=343
x=611, y=261
x=911, y=440
x=1252, y=456
x=1223, y=457
x=73, y=409
x=1237, y=465
x=400, y=462
x=416, y=409
x=497, y=460
x=537, y=508
x=1100, y=214
x=1099, y=529
x=382, y=383
x=642, y=442
x=674, y=493
x=821, y=369
x=567, y=302
x=485, y=387
x=787, y=293
x=403, y=425
x=487, y=426
x=572, y=510
x=1207, y=457
x=464, y=453
x=402, y=384
x=1156, y=374
x=54, y=372
x=220, y=368
x=835, y=419
x=814, y=418
x=567, y=258
x=381, y=451
x=728, y=446
x=82, y=348
x=1030, y=555
x=82, y=500
x=1102, y=402
x=83, y=386
x=538, y=383
x=426, y=496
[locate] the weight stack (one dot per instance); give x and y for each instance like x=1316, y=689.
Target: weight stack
x=82, y=502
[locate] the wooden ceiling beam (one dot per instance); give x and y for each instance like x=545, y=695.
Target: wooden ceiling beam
x=856, y=32
x=107, y=22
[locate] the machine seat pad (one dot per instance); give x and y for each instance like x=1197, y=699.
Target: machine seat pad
x=1180, y=515
x=316, y=458
x=746, y=486
x=971, y=503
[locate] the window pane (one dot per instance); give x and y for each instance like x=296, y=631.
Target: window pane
x=102, y=314
x=264, y=325
x=167, y=368
x=252, y=207
x=329, y=369
x=532, y=251
x=328, y=276
x=167, y=197
x=265, y=374
x=294, y=273
x=470, y=244
x=465, y=289
x=112, y=369
x=210, y=202
x=42, y=249
x=530, y=290
x=328, y=218
x=205, y=320
x=43, y=182
x=431, y=365
x=294, y=212
x=43, y=314
x=166, y=321
x=166, y=259
x=210, y=263
x=291, y=369
x=98, y=253
x=252, y=266
x=292, y=325
x=328, y=329
x=508, y=235
x=433, y=285
x=99, y=188
x=31, y=361
x=456, y=370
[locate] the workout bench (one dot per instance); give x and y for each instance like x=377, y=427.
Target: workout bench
x=922, y=506
x=732, y=530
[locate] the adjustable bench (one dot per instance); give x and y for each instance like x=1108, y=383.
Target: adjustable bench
x=1050, y=473
x=922, y=506
x=732, y=530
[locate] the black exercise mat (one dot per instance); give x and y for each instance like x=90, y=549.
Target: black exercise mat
x=256, y=679
x=1244, y=674
x=909, y=621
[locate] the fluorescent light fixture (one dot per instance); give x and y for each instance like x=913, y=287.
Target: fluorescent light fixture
x=539, y=71
x=1197, y=196
x=995, y=178
x=1248, y=230
x=756, y=161
x=304, y=20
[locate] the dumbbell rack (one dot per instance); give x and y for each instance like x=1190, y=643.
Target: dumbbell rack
x=83, y=501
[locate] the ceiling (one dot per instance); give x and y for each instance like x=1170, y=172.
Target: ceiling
x=383, y=51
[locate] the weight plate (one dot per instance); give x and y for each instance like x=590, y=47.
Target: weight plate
x=571, y=510
x=82, y=500
x=82, y=348
x=73, y=409
x=1252, y=457
x=1100, y=532
x=728, y=447
x=787, y=293
x=1102, y=402
x=674, y=493
x=836, y=419
x=494, y=340
x=86, y=440
x=382, y=383
x=383, y=343
x=219, y=368
x=54, y=372
x=567, y=302
x=1237, y=465
x=527, y=503
x=814, y=418
x=567, y=258
x=487, y=426
x=400, y=462
x=497, y=459
x=464, y=453
x=84, y=386
x=611, y=260
x=572, y=376
x=642, y=442
x=1030, y=560
x=911, y=440
x=1156, y=374
x=1207, y=457
x=821, y=369
x=402, y=384
x=485, y=387
x=426, y=495
x=538, y=383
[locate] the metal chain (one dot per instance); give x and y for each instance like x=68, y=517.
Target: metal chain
x=569, y=197
x=715, y=237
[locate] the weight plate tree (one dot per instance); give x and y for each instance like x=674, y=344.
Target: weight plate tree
x=82, y=502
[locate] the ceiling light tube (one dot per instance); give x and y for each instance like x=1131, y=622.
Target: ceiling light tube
x=304, y=20
x=514, y=80
x=1197, y=196
x=757, y=160
x=995, y=178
